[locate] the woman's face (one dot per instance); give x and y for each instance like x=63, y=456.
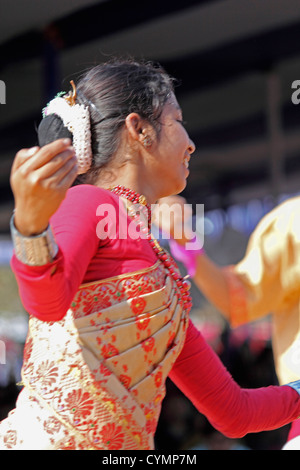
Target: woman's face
x=171, y=151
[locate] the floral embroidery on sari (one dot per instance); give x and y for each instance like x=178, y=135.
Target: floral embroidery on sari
x=96, y=378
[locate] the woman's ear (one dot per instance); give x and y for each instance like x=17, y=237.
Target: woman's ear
x=133, y=123
x=138, y=129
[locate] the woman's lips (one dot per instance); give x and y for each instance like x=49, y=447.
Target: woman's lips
x=186, y=162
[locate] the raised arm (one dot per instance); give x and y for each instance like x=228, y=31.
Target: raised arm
x=40, y=178
x=48, y=274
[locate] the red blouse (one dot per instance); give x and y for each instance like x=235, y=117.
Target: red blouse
x=47, y=291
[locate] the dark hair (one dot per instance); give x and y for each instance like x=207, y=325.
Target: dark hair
x=113, y=90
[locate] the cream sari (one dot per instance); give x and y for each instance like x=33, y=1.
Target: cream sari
x=96, y=379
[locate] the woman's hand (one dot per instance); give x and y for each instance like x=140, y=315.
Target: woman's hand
x=40, y=178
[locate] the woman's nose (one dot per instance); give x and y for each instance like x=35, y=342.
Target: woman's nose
x=191, y=147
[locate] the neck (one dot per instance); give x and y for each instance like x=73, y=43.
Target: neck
x=131, y=182
x=140, y=189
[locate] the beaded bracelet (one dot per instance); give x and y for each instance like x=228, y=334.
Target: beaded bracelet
x=35, y=250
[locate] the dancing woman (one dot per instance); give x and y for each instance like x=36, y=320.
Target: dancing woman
x=107, y=305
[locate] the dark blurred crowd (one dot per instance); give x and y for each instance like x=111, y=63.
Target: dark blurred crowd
x=10, y=374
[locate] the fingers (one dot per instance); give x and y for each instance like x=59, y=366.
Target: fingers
x=58, y=164
x=44, y=172
x=61, y=147
x=68, y=177
x=51, y=180
x=61, y=177
x=22, y=156
x=45, y=163
x=35, y=157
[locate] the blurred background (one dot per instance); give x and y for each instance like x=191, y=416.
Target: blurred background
x=235, y=62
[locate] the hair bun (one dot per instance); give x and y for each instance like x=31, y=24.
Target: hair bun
x=52, y=128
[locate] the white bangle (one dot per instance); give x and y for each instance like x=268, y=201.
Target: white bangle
x=35, y=250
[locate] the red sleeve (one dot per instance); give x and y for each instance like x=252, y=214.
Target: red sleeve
x=47, y=291
x=234, y=411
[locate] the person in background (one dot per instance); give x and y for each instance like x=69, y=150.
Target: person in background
x=108, y=308
x=266, y=281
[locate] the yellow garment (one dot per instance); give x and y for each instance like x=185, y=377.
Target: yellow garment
x=267, y=281
x=96, y=378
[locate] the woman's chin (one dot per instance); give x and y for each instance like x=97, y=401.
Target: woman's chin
x=181, y=186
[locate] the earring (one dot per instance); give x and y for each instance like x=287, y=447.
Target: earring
x=147, y=142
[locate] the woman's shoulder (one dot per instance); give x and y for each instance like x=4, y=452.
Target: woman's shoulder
x=82, y=202
x=87, y=191
x=89, y=196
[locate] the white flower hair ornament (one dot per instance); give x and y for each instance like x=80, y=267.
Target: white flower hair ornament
x=76, y=118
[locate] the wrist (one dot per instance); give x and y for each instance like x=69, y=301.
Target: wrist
x=28, y=228
x=191, y=248
x=188, y=253
x=34, y=250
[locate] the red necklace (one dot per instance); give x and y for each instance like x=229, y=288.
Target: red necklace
x=183, y=285
x=135, y=198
